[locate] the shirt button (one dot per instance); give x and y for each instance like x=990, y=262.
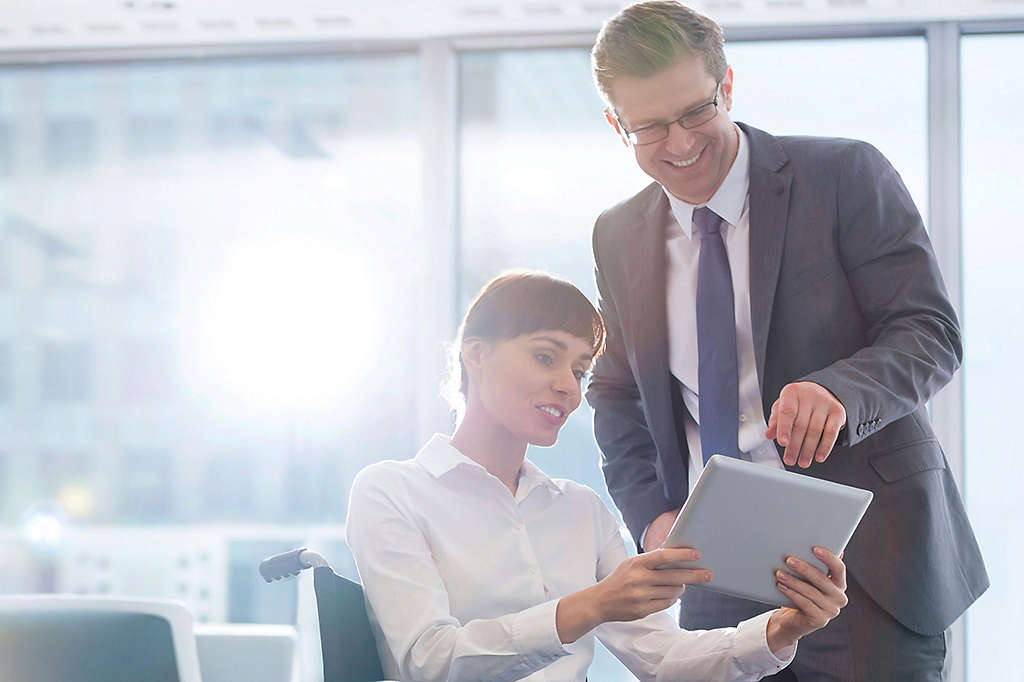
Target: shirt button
x=743, y=418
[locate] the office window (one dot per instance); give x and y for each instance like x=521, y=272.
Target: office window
x=148, y=370
x=6, y=373
x=5, y=478
x=236, y=500
x=205, y=256
x=232, y=254
x=6, y=260
x=58, y=472
x=6, y=148
x=232, y=128
x=70, y=143
x=539, y=164
x=148, y=486
x=873, y=89
x=67, y=371
x=149, y=136
x=311, y=484
x=994, y=334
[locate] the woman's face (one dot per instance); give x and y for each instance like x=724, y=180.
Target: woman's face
x=530, y=384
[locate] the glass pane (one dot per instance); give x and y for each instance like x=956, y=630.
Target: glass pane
x=539, y=163
x=993, y=377
x=204, y=316
x=841, y=88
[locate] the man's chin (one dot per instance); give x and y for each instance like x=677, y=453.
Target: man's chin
x=688, y=193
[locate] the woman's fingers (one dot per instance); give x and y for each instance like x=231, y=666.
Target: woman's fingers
x=823, y=604
x=815, y=587
x=681, y=576
x=667, y=555
x=814, y=576
x=836, y=567
x=666, y=592
x=814, y=615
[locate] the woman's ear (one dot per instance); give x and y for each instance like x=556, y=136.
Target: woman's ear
x=472, y=354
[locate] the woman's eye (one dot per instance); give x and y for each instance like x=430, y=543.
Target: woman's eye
x=544, y=358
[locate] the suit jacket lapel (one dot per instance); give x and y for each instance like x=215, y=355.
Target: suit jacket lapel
x=769, y=212
x=646, y=279
x=647, y=286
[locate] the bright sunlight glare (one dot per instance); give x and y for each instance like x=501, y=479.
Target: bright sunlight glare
x=288, y=324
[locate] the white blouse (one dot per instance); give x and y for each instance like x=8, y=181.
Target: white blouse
x=462, y=579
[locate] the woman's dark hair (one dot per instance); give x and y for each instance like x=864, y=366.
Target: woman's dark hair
x=521, y=302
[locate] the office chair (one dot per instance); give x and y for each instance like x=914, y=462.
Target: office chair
x=57, y=638
x=346, y=641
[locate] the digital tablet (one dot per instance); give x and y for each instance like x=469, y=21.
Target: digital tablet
x=745, y=518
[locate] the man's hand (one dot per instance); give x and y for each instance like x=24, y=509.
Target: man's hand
x=806, y=420
x=657, y=532
x=818, y=599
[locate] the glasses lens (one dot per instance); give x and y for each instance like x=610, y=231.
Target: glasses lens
x=699, y=116
x=650, y=134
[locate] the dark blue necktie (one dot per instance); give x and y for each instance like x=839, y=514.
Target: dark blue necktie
x=717, y=366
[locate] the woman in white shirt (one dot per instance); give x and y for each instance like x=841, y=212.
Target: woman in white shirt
x=477, y=566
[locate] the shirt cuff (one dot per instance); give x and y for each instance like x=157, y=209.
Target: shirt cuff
x=640, y=542
x=752, y=651
x=535, y=634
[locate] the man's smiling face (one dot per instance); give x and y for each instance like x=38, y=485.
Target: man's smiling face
x=689, y=163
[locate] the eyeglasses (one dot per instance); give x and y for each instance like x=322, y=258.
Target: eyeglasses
x=691, y=119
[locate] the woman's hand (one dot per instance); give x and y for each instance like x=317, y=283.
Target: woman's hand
x=817, y=597
x=636, y=588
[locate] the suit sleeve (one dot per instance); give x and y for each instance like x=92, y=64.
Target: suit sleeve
x=628, y=453
x=914, y=343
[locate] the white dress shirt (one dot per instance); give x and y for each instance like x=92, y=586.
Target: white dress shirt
x=731, y=202
x=462, y=579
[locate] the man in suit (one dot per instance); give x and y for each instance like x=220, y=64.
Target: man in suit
x=776, y=299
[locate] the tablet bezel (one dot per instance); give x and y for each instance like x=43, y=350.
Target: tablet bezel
x=745, y=518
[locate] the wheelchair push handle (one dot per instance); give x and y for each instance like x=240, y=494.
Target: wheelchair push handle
x=289, y=564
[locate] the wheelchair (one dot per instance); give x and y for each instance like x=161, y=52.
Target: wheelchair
x=347, y=644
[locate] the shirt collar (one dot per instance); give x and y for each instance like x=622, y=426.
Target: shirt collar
x=728, y=200
x=531, y=476
x=439, y=457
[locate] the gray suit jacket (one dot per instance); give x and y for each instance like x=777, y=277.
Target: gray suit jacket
x=845, y=291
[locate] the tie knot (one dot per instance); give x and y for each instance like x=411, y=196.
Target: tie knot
x=706, y=220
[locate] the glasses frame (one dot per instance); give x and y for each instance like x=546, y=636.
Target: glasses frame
x=631, y=135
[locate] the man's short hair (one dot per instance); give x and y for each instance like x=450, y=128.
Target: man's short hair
x=649, y=37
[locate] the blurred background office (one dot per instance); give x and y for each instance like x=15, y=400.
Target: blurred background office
x=234, y=238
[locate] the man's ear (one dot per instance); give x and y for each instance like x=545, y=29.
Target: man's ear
x=727, y=89
x=614, y=123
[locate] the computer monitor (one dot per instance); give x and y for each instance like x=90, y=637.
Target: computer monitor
x=64, y=638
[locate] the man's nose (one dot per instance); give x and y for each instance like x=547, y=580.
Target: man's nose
x=679, y=139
